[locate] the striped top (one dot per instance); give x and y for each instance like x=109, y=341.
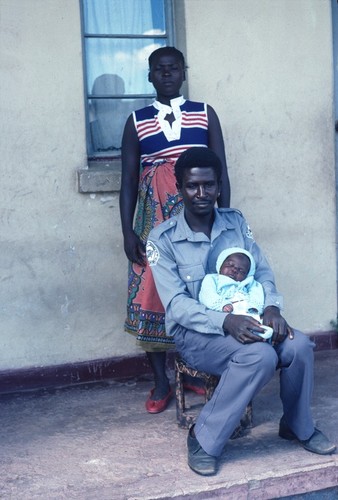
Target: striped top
x=161, y=141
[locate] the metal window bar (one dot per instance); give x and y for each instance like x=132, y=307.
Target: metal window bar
x=169, y=36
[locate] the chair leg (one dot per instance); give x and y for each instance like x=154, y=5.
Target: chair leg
x=180, y=399
x=247, y=418
x=210, y=386
x=245, y=422
x=184, y=420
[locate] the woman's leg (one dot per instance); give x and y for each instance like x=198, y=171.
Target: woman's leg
x=157, y=362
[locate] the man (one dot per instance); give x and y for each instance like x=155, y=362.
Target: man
x=180, y=252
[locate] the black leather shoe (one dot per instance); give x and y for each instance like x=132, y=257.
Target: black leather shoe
x=317, y=443
x=198, y=460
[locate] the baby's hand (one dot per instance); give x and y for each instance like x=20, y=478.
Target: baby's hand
x=228, y=308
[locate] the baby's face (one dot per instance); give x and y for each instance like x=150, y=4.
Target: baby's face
x=236, y=266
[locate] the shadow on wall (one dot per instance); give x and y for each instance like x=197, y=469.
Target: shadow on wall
x=108, y=116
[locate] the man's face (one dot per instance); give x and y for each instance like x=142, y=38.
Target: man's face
x=200, y=190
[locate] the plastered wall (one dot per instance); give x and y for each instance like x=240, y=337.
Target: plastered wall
x=266, y=67
x=63, y=271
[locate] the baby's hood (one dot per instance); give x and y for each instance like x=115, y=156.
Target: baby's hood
x=225, y=253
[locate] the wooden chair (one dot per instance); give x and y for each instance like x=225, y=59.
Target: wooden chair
x=184, y=419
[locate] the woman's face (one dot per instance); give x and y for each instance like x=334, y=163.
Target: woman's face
x=167, y=75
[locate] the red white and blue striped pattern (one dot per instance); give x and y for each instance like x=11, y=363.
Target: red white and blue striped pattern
x=153, y=143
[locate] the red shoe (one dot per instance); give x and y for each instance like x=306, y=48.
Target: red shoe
x=195, y=388
x=159, y=405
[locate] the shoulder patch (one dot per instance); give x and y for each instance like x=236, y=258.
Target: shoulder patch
x=152, y=253
x=249, y=232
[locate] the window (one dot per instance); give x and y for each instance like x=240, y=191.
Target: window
x=118, y=37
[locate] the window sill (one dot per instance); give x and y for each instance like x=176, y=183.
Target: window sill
x=100, y=176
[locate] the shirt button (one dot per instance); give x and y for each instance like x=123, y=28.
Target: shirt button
x=188, y=277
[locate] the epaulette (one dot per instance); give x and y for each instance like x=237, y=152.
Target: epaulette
x=163, y=227
x=227, y=210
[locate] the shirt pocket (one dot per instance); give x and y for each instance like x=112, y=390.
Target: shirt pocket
x=191, y=274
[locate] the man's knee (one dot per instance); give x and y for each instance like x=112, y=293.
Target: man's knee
x=300, y=348
x=259, y=354
x=302, y=342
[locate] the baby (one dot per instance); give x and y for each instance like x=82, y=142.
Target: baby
x=233, y=288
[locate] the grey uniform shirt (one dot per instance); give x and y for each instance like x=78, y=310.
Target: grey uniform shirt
x=180, y=258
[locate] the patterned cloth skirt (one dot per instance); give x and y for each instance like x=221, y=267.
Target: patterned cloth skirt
x=158, y=201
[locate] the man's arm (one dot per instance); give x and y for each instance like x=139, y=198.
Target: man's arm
x=273, y=302
x=181, y=307
x=264, y=273
x=178, y=286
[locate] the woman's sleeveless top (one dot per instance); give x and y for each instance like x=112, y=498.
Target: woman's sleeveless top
x=159, y=141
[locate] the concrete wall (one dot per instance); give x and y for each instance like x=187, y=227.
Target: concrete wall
x=63, y=272
x=266, y=67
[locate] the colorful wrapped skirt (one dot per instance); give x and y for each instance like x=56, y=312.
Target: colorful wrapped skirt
x=158, y=201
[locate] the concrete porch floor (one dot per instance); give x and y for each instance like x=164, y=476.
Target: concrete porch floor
x=96, y=441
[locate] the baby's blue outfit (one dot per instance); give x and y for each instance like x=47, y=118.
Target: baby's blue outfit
x=218, y=290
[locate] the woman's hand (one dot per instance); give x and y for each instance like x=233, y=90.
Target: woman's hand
x=272, y=317
x=134, y=249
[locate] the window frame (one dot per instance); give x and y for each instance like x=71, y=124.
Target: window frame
x=104, y=159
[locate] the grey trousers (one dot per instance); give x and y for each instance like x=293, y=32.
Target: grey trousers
x=243, y=371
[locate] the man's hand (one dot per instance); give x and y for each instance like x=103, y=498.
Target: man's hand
x=134, y=249
x=240, y=327
x=272, y=317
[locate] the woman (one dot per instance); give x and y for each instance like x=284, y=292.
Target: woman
x=153, y=139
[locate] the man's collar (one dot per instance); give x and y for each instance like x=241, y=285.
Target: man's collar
x=183, y=231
